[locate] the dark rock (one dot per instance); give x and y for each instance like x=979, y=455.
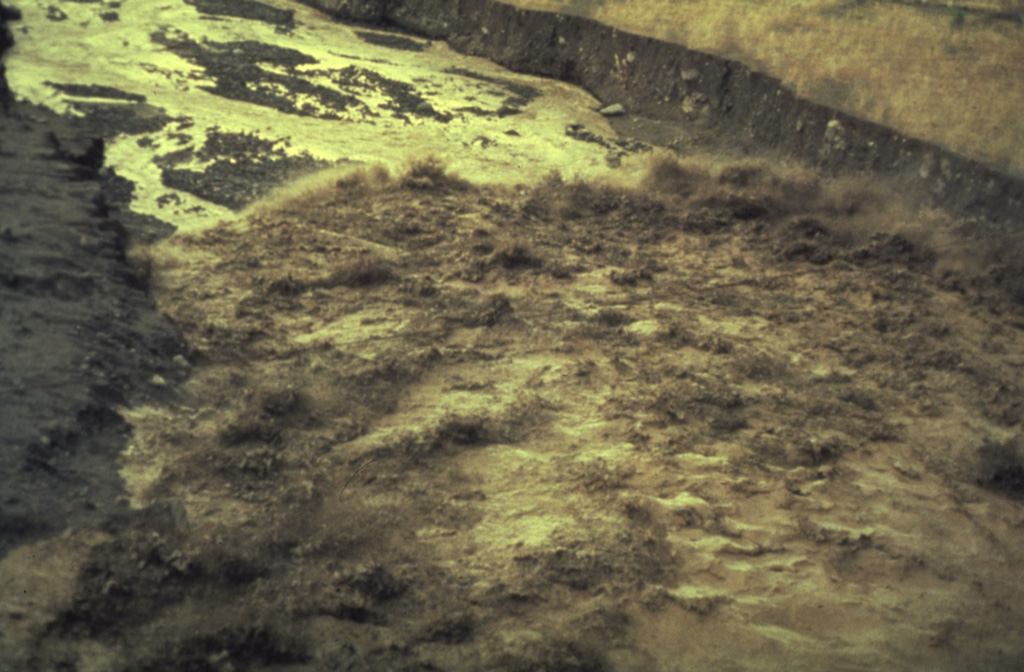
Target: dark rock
x=6, y=42
x=96, y=91
x=85, y=152
x=365, y=11
x=9, y=14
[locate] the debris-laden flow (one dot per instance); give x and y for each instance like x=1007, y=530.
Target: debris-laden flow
x=728, y=415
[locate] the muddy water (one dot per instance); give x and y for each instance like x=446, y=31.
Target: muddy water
x=433, y=425
x=206, y=112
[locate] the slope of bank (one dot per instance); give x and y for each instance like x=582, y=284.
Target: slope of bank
x=701, y=92
x=78, y=335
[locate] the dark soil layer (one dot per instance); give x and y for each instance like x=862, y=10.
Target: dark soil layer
x=78, y=334
x=667, y=81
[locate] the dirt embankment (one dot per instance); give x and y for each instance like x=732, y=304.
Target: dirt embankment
x=78, y=333
x=708, y=95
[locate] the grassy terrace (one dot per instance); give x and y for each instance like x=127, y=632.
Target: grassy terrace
x=952, y=75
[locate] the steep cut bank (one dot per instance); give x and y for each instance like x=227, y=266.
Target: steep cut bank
x=703, y=93
x=78, y=334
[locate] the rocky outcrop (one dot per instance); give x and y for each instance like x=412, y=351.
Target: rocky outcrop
x=7, y=14
x=664, y=80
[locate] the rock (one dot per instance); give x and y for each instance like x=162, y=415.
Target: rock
x=929, y=166
x=835, y=135
x=180, y=361
x=691, y=75
x=613, y=110
x=424, y=109
x=245, y=9
x=75, y=148
x=9, y=13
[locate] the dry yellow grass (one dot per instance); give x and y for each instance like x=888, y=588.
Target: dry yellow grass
x=909, y=67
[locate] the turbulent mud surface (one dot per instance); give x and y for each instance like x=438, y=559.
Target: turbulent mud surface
x=715, y=422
